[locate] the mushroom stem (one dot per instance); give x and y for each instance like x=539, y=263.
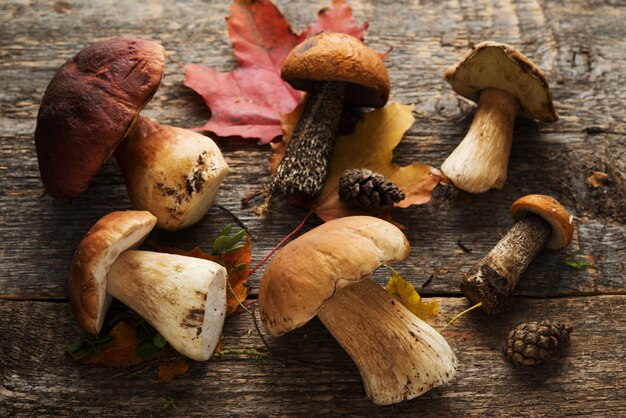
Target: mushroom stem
x=494, y=278
x=480, y=161
x=399, y=355
x=184, y=298
x=304, y=167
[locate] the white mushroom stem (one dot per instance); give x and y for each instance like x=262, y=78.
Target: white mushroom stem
x=171, y=172
x=480, y=161
x=184, y=298
x=399, y=356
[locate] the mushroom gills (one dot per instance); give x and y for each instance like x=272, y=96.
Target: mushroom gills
x=398, y=355
x=304, y=167
x=184, y=298
x=481, y=160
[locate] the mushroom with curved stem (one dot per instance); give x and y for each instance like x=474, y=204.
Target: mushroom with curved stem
x=324, y=272
x=92, y=105
x=336, y=70
x=183, y=298
x=541, y=223
x=504, y=83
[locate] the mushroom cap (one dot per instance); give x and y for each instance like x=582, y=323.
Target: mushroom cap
x=552, y=211
x=89, y=106
x=307, y=271
x=330, y=56
x=100, y=247
x=496, y=65
x=174, y=173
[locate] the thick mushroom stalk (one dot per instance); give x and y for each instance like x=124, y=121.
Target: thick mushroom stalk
x=481, y=160
x=504, y=83
x=304, y=167
x=174, y=173
x=337, y=71
x=399, y=355
x=184, y=298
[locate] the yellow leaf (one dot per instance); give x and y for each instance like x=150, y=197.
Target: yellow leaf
x=408, y=296
x=370, y=146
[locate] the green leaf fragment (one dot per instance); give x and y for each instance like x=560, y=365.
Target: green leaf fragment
x=218, y=244
x=159, y=341
x=147, y=350
x=169, y=404
x=234, y=240
x=577, y=264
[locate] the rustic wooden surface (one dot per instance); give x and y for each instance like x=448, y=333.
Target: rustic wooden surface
x=579, y=44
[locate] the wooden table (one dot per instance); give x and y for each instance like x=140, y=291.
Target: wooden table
x=581, y=45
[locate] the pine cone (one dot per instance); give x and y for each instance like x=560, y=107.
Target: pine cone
x=367, y=189
x=532, y=342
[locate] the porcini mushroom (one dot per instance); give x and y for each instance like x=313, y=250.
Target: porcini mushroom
x=324, y=272
x=504, y=83
x=336, y=70
x=183, y=298
x=92, y=104
x=541, y=223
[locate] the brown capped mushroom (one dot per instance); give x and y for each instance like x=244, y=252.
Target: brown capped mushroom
x=336, y=70
x=92, y=104
x=541, y=223
x=183, y=298
x=324, y=272
x=504, y=83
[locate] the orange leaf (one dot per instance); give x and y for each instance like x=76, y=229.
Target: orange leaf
x=236, y=280
x=121, y=351
x=370, y=146
x=170, y=369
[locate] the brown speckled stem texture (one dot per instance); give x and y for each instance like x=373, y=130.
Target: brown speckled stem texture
x=304, y=166
x=492, y=281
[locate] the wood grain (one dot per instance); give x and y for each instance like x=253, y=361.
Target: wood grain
x=308, y=373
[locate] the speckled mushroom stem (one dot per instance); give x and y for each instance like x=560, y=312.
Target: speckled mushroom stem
x=494, y=278
x=399, y=356
x=304, y=166
x=481, y=160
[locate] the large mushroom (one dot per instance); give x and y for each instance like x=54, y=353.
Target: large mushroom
x=336, y=70
x=504, y=83
x=324, y=272
x=183, y=298
x=92, y=105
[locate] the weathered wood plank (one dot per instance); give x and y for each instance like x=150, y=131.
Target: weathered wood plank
x=308, y=372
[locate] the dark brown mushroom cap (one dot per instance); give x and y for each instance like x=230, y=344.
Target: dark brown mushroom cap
x=552, y=211
x=89, y=106
x=100, y=247
x=494, y=65
x=330, y=56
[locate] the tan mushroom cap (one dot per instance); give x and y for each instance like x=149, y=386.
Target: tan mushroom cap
x=106, y=240
x=552, y=211
x=89, y=106
x=330, y=56
x=307, y=271
x=495, y=65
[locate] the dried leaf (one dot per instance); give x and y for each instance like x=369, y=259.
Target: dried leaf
x=172, y=368
x=597, y=179
x=122, y=351
x=408, y=296
x=370, y=146
x=248, y=100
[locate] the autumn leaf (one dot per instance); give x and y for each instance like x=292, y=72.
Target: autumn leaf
x=121, y=351
x=248, y=100
x=172, y=368
x=408, y=296
x=370, y=146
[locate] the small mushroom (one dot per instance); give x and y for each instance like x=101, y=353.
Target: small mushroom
x=324, y=272
x=92, y=104
x=183, y=298
x=541, y=223
x=504, y=83
x=336, y=70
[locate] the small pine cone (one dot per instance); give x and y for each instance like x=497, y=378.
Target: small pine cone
x=367, y=189
x=532, y=342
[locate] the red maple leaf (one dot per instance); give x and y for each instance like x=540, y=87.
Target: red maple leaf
x=248, y=100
